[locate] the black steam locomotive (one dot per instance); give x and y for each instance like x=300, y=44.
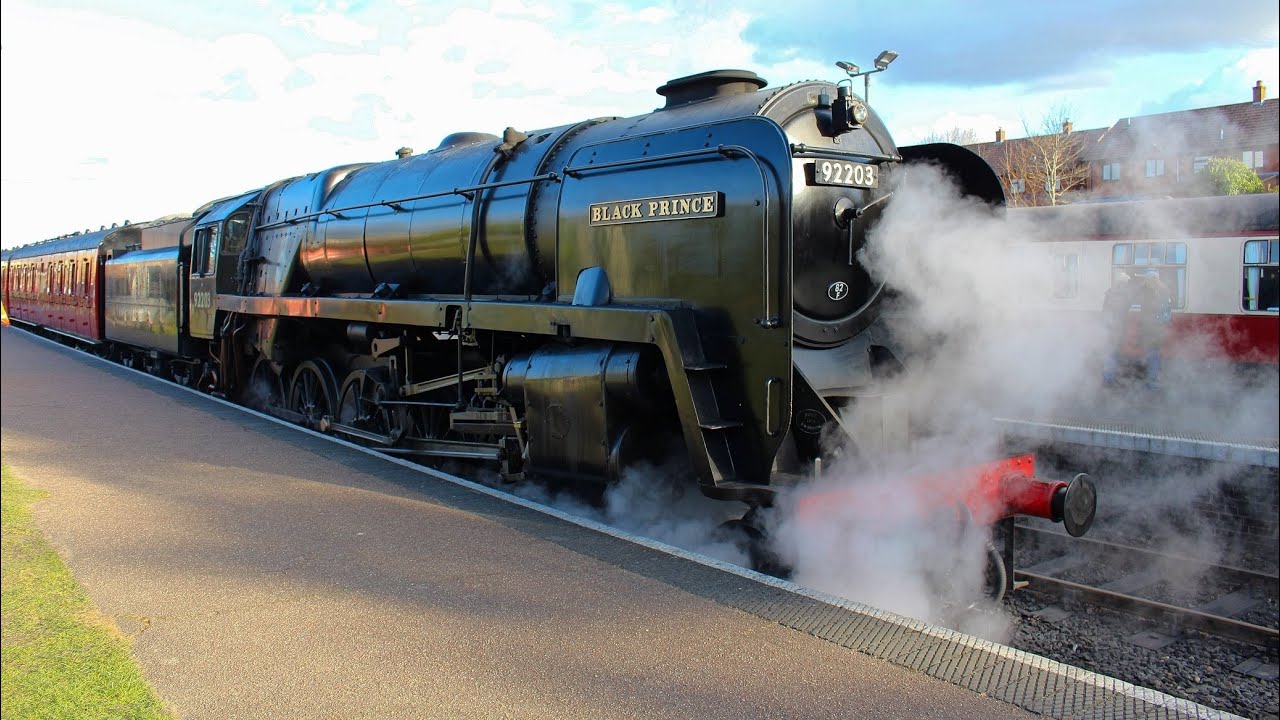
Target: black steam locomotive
x=563, y=303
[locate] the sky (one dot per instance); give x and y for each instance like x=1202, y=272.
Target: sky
x=115, y=110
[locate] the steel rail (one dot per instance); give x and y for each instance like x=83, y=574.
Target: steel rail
x=1183, y=618
x=1232, y=573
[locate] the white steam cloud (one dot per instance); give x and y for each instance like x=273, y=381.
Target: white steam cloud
x=969, y=319
x=975, y=347
x=973, y=286
x=661, y=503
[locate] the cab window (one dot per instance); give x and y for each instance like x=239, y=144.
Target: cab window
x=237, y=234
x=204, y=250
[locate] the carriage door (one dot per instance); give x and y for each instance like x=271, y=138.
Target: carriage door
x=203, y=285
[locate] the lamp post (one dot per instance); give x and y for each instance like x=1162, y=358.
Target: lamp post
x=881, y=62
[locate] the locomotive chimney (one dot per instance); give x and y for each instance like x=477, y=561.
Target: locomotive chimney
x=707, y=85
x=1259, y=92
x=404, y=152
x=999, y=135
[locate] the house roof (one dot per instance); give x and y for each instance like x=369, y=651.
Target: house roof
x=996, y=152
x=1202, y=131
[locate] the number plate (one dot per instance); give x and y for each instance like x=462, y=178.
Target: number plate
x=846, y=174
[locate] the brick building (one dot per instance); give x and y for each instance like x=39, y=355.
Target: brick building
x=1143, y=156
x=1161, y=155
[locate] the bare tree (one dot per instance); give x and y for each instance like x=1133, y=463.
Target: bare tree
x=956, y=136
x=1051, y=158
x=1009, y=159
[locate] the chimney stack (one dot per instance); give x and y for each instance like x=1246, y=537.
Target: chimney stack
x=1259, y=92
x=1000, y=135
x=1066, y=127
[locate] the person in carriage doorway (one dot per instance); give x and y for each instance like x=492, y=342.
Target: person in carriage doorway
x=1115, y=323
x=1153, y=322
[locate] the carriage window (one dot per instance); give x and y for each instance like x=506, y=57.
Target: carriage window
x=1066, y=275
x=85, y=286
x=1261, y=276
x=1168, y=259
x=71, y=286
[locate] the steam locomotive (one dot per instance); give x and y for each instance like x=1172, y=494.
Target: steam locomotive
x=563, y=303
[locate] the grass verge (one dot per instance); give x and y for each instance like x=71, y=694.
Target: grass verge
x=59, y=658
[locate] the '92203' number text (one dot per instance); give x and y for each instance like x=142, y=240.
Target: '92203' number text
x=848, y=174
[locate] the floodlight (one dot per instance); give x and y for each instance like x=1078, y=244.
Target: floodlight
x=849, y=68
x=884, y=58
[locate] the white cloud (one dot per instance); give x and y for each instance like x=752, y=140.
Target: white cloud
x=984, y=125
x=121, y=113
x=331, y=27
x=117, y=116
x=1261, y=65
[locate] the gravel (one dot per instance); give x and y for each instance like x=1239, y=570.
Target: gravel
x=1197, y=667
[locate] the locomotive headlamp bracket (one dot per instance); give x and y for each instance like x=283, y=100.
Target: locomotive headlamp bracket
x=847, y=111
x=842, y=116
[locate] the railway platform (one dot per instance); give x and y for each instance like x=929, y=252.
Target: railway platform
x=1192, y=415
x=1093, y=432
x=266, y=571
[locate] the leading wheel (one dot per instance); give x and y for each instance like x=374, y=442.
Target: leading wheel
x=312, y=391
x=745, y=533
x=265, y=388
x=362, y=405
x=995, y=576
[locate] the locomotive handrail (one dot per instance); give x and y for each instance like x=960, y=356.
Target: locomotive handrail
x=802, y=150
x=396, y=204
x=725, y=150
x=771, y=317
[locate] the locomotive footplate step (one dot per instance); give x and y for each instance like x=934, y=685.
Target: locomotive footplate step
x=1124, y=436
x=282, y=573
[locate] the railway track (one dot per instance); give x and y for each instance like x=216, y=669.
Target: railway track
x=1215, y=599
